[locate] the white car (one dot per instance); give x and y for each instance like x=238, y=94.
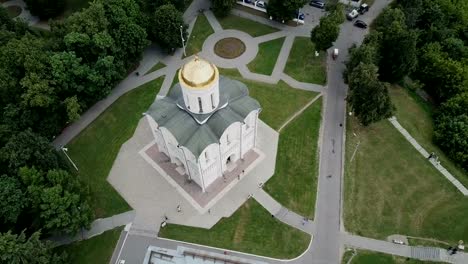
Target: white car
x=352, y=15
x=261, y=4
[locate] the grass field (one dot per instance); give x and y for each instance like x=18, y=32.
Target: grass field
x=391, y=189
x=95, y=148
x=278, y=101
x=250, y=229
x=248, y=26
x=265, y=61
x=294, y=183
x=368, y=257
x=201, y=30
x=415, y=116
x=96, y=250
x=302, y=64
x=156, y=67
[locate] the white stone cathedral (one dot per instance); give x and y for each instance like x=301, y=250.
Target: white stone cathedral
x=206, y=123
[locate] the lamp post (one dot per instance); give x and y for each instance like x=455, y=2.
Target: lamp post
x=183, y=40
x=65, y=150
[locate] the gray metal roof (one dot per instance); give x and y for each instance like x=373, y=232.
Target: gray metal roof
x=186, y=127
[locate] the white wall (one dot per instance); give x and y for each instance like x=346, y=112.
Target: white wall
x=209, y=98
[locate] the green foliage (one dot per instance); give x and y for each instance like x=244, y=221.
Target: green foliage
x=444, y=76
x=28, y=149
x=222, y=8
x=12, y=199
x=366, y=53
x=18, y=249
x=328, y=30
x=368, y=96
x=166, y=23
x=284, y=10
x=451, y=128
x=55, y=195
x=397, y=45
x=46, y=8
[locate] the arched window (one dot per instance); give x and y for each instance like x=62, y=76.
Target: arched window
x=200, y=105
x=212, y=102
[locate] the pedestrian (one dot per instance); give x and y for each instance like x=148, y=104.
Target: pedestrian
x=165, y=218
x=238, y=177
x=209, y=211
x=341, y=125
x=430, y=156
x=179, y=209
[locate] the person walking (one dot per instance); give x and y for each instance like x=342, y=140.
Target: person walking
x=179, y=209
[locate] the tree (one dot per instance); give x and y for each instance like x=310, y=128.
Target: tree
x=443, y=77
x=451, y=128
x=325, y=33
x=166, y=25
x=57, y=197
x=398, y=50
x=17, y=249
x=12, y=199
x=28, y=149
x=389, y=16
x=369, y=97
x=46, y=8
x=366, y=53
x=222, y=8
x=284, y=10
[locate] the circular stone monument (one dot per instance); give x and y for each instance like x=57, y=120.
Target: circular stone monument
x=229, y=48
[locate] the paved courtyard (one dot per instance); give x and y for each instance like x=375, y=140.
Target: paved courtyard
x=153, y=197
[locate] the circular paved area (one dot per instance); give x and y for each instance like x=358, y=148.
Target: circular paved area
x=251, y=49
x=229, y=48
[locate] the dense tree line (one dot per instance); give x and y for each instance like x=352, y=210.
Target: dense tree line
x=426, y=40
x=47, y=79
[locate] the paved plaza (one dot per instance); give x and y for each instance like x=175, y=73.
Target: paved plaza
x=155, y=195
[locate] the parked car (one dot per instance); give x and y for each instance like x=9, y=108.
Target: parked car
x=299, y=15
x=317, y=3
x=360, y=24
x=352, y=15
x=261, y=4
x=363, y=8
x=249, y=2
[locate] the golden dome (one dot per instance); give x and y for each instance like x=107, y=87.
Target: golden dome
x=198, y=74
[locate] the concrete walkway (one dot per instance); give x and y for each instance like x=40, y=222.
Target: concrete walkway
x=425, y=154
x=98, y=227
x=422, y=253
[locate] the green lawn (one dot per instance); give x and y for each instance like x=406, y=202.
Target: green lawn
x=265, y=61
x=414, y=115
x=368, y=257
x=156, y=67
x=201, y=30
x=391, y=189
x=255, y=29
x=278, y=101
x=294, y=183
x=95, y=148
x=250, y=229
x=96, y=250
x=302, y=64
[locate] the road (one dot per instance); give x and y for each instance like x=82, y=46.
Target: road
x=328, y=214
